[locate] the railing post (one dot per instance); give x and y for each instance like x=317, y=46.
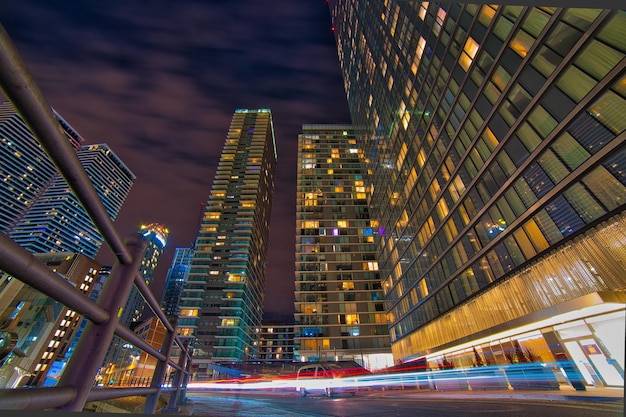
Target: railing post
x=159, y=371
x=175, y=393
x=91, y=348
x=182, y=395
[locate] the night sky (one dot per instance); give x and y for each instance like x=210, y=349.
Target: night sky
x=158, y=82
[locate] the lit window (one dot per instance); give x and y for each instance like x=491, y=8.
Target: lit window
x=441, y=16
x=312, y=224
x=423, y=9
x=487, y=12
x=234, y=278
x=469, y=52
x=188, y=312
x=521, y=43
x=342, y=223
x=423, y=288
x=402, y=154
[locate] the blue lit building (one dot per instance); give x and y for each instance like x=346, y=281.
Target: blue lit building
x=175, y=281
x=57, y=221
x=39, y=211
x=25, y=169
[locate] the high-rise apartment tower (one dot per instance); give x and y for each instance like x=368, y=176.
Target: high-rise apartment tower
x=222, y=303
x=339, y=306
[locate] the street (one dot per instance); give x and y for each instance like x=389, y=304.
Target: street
x=386, y=404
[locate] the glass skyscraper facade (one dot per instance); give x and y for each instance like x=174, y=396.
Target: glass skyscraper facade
x=495, y=136
x=56, y=220
x=175, y=281
x=39, y=211
x=339, y=307
x=222, y=303
x=25, y=169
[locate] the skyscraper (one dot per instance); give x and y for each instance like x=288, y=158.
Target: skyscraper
x=223, y=299
x=339, y=306
x=25, y=168
x=495, y=135
x=119, y=352
x=156, y=235
x=56, y=221
x=175, y=281
x=39, y=211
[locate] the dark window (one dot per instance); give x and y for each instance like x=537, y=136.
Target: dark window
x=616, y=165
x=557, y=103
x=531, y=80
x=564, y=216
x=537, y=180
x=516, y=150
x=590, y=133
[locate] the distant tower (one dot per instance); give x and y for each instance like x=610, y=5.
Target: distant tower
x=175, y=281
x=340, y=313
x=157, y=239
x=224, y=294
x=120, y=353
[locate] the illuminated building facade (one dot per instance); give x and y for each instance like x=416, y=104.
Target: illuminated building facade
x=222, y=302
x=339, y=305
x=25, y=168
x=56, y=221
x=495, y=135
x=44, y=328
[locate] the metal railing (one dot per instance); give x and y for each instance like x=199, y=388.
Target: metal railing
x=76, y=384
